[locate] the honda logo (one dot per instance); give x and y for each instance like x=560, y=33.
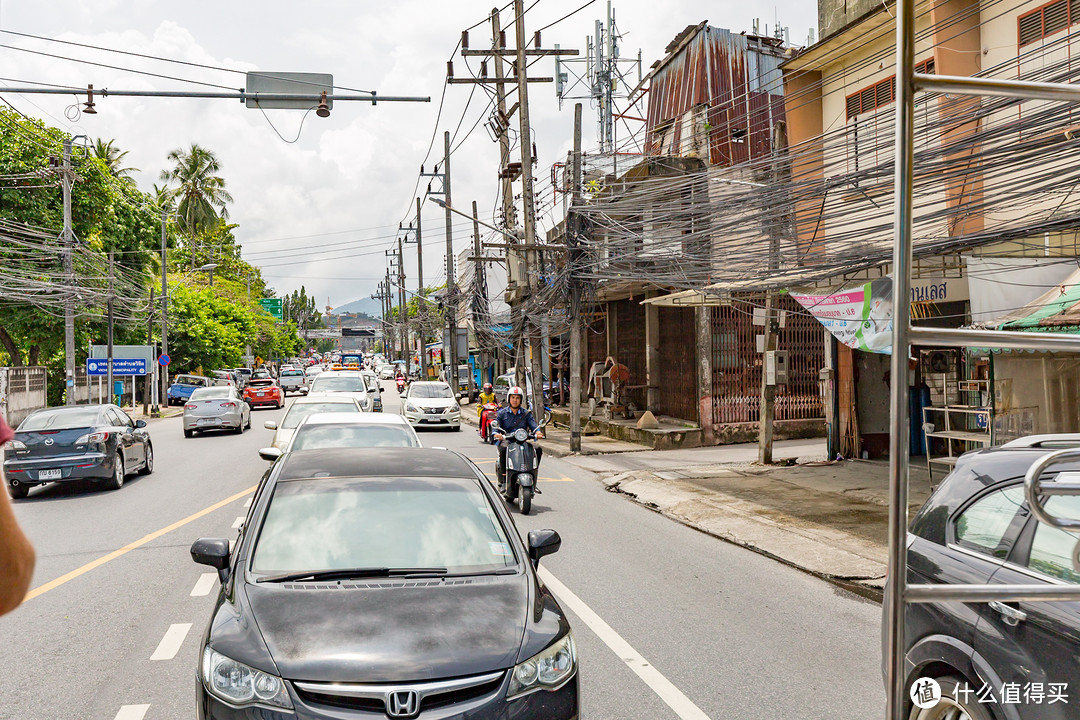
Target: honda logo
x=402, y=703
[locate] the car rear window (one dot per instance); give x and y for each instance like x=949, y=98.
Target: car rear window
x=336, y=383
x=190, y=380
x=60, y=419
x=288, y=373
x=212, y=393
x=318, y=437
x=327, y=524
x=299, y=411
x=1052, y=549
x=985, y=525
x=260, y=383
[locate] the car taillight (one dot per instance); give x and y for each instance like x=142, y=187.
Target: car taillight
x=228, y=404
x=190, y=406
x=94, y=437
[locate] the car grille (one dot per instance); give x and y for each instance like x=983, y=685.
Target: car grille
x=372, y=698
x=434, y=411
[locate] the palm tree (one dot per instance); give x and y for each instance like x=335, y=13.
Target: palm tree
x=201, y=192
x=164, y=198
x=113, y=158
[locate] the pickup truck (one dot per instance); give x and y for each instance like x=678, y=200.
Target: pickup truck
x=293, y=380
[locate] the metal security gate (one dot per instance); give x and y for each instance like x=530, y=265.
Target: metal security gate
x=676, y=395
x=899, y=592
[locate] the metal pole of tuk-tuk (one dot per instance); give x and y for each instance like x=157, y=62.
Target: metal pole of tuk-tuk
x=898, y=390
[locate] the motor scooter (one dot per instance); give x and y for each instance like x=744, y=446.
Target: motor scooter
x=400, y=385
x=488, y=411
x=522, y=465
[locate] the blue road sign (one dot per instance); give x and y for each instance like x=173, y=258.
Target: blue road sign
x=121, y=366
x=164, y=360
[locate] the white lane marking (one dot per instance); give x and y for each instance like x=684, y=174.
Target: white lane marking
x=132, y=712
x=671, y=695
x=238, y=522
x=170, y=644
x=204, y=585
x=247, y=503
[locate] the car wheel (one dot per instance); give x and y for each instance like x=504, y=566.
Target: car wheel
x=951, y=705
x=117, y=480
x=189, y=433
x=248, y=426
x=457, y=429
x=18, y=492
x=526, y=500
x=239, y=429
x=149, y=466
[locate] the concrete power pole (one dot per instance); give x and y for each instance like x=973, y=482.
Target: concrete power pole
x=479, y=293
x=109, y=331
x=573, y=227
x=420, y=290
x=451, y=286
x=403, y=307
x=69, y=272
x=768, y=390
x=528, y=209
x=163, y=398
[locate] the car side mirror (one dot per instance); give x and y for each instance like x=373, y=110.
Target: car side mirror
x=140, y=423
x=541, y=543
x=270, y=453
x=213, y=552
x=270, y=425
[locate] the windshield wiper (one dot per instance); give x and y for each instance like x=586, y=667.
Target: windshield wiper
x=353, y=573
x=501, y=571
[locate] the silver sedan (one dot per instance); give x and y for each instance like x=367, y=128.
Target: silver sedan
x=216, y=408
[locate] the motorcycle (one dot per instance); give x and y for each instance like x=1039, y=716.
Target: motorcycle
x=488, y=412
x=400, y=385
x=522, y=466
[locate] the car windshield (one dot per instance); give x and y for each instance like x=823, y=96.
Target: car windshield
x=338, y=384
x=328, y=524
x=288, y=373
x=213, y=393
x=189, y=380
x=60, y=419
x=318, y=437
x=299, y=411
x=430, y=390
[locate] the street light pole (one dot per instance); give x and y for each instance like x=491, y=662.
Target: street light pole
x=69, y=272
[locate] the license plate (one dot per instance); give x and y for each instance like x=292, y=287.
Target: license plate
x=50, y=474
x=260, y=394
x=434, y=418
x=209, y=421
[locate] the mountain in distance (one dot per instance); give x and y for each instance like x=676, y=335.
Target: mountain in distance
x=368, y=306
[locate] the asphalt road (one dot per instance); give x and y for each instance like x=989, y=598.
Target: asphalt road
x=670, y=623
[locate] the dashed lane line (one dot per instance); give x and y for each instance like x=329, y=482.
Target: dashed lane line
x=67, y=577
x=204, y=584
x=132, y=712
x=683, y=706
x=238, y=522
x=247, y=503
x=170, y=644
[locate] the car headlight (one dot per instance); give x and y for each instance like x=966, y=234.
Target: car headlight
x=236, y=683
x=547, y=670
x=455, y=408
x=409, y=407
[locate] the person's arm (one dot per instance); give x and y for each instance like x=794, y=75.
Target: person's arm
x=16, y=558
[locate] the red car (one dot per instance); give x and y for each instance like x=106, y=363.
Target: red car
x=263, y=392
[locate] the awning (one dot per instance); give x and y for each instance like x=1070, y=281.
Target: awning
x=686, y=298
x=1056, y=309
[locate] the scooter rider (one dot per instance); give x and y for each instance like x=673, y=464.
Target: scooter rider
x=511, y=418
x=487, y=395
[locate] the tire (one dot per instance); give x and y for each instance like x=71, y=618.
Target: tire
x=951, y=705
x=526, y=500
x=149, y=466
x=117, y=480
x=511, y=491
x=239, y=429
x=457, y=429
x=188, y=433
x=248, y=426
x=18, y=492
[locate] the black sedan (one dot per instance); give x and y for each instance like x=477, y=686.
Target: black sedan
x=383, y=582
x=96, y=442
x=994, y=660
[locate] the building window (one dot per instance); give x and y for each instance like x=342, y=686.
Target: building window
x=1047, y=20
x=884, y=92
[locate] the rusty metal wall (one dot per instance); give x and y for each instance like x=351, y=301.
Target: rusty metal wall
x=630, y=337
x=730, y=80
x=737, y=364
x=677, y=395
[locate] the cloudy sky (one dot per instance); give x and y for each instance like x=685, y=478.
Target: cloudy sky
x=320, y=211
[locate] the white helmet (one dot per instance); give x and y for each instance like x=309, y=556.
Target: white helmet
x=515, y=391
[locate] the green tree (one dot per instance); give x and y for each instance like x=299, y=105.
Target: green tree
x=202, y=200
x=113, y=157
x=207, y=331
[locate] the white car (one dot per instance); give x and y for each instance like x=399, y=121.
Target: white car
x=301, y=408
x=431, y=403
x=373, y=388
x=216, y=408
x=344, y=382
x=386, y=372
x=323, y=431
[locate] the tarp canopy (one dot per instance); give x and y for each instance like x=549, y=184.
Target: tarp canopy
x=1057, y=309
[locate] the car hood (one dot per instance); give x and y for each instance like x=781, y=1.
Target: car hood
x=392, y=630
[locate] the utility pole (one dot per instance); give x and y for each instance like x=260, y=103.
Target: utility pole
x=148, y=386
x=767, y=410
x=573, y=227
x=403, y=309
x=479, y=293
x=420, y=289
x=164, y=387
x=109, y=310
x=451, y=286
x=528, y=209
x=69, y=271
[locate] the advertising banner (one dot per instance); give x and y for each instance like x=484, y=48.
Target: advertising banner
x=860, y=316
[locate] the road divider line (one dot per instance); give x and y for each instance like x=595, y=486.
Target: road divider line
x=238, y=522
x=170, y=644
x=247, y=503
x=67, y=577
x=665, y=690
x=204, y=584
x=132, y=712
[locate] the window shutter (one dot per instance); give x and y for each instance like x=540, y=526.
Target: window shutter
x=1055, y=17
x=852, y=105
x=1030, y=27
